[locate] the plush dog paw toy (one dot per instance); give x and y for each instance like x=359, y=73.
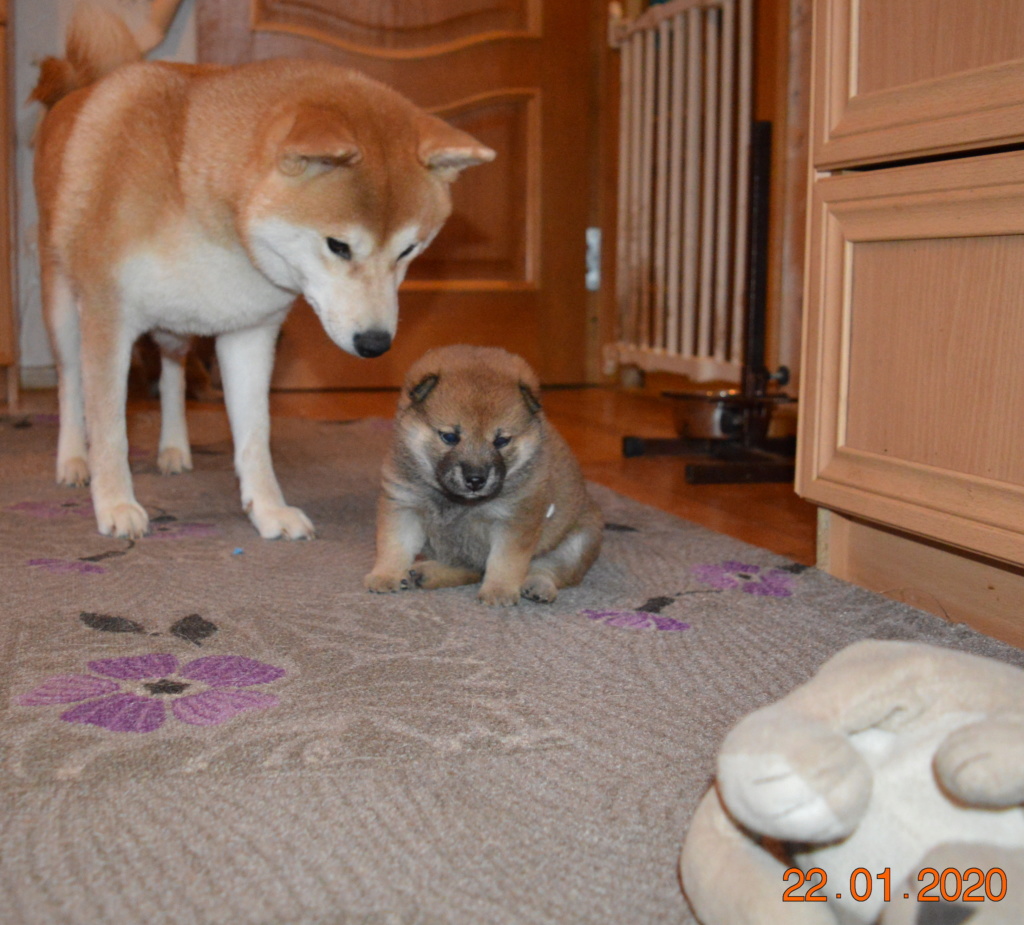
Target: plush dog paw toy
x=888, y=788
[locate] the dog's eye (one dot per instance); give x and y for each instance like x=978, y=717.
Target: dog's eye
x=407, y=252
x=340, y=248
x=501, y=441
x=449, y=437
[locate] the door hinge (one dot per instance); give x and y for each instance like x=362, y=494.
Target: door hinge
x=593, y=259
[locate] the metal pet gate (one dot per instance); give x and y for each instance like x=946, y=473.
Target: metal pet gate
x=692, y=225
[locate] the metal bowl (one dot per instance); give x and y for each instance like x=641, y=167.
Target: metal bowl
x=724, y=414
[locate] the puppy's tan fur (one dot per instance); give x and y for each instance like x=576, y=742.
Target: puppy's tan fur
x=479, y=481
x=184, y=200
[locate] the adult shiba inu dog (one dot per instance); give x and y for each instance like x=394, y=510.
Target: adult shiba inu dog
x=198, y=200
x=482, y=484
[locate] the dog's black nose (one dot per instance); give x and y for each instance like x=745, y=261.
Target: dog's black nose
x=475, y=482
x=372, y=343
x=475, y=477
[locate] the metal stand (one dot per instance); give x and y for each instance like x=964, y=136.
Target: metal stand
x=741, y=451
x=727, y=462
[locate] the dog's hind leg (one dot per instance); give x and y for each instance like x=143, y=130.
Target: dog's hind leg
x=565, y=565
x=106, y=356
x=61, y=315
x=432, y=574
x=246, y=361
x=175, y=453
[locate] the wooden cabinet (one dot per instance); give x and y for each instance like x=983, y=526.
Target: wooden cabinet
x=914, y=313
x=8, y=326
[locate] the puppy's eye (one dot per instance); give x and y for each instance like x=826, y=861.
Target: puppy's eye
x=340, y=248
x=501, y=441
x=407, y=252
x=449, y=437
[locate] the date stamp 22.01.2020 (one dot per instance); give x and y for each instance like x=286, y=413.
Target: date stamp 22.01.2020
x=950, y=885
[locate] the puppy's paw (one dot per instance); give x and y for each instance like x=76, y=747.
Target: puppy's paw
x=499, y=595
x=174, y=460
x=276, y=522
x=73, y=472
x=540, y=588
x=128, y=519
x=383, y=583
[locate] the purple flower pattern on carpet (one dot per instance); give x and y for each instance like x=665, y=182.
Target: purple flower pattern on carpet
x=636, y=620
x=751, y=579
x=136, y=693
x=48, y=510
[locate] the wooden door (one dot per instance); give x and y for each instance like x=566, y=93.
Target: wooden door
x=8, y=328
x=508, y=268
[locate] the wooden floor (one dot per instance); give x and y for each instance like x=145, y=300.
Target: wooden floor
x=594, y=421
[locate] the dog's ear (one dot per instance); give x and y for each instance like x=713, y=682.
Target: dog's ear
x=318, y=140
x=530, y=398
x=419, y=392
x=446, y=151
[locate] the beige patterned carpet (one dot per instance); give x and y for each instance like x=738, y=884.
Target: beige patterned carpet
x=205, y=727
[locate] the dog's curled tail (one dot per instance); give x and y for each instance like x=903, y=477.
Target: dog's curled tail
x=97, y=43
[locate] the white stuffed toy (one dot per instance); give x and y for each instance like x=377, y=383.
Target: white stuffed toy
x=895, y=758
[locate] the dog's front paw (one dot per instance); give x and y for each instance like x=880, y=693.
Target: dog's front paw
x=73, y=472
x=128, y=519
x=540, y=588
x=499, y=595
x=384, y=583
x=276, y=522
x=173, y=460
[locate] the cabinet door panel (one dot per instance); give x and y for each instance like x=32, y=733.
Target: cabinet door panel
x=935, y=351
x=915, y=333
x=903, y=78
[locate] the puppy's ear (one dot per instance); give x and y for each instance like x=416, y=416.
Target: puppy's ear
x=318, y=140
x=529, y=398
x=419, y=392
x=446, y=151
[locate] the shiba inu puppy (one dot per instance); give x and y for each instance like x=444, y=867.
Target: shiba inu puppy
x=482, y=484
x=188, y=199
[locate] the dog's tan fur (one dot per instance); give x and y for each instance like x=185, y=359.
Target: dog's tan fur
x=189, y=199
x=480, y=482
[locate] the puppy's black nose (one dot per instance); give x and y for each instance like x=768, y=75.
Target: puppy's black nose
x=372, y=343
x=475, y=477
